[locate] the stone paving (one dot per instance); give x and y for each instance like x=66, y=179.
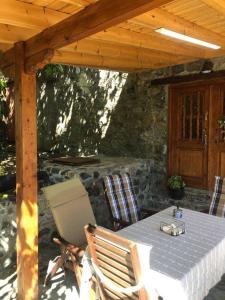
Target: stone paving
x=64, y=288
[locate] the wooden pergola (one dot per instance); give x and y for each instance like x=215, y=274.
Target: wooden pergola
x=115, y=35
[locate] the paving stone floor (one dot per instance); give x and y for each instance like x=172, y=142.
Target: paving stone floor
x=64, y=287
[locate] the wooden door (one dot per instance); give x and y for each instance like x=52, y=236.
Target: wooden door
x=188, y=132
x=216, y=135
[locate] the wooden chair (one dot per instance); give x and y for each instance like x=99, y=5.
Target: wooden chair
x=217, y=206
x=116, y=265
x=122, y=201
x=71, y=210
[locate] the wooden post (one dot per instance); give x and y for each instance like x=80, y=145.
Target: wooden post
x=26, y=179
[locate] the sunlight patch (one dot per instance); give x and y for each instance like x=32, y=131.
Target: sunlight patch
x=113, y=82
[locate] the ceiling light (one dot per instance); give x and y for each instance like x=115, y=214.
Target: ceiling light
x=186, y=38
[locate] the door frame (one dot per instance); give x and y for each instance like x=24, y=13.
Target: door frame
x=171, y=136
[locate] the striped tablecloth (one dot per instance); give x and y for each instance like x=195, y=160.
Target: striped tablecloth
x=184, y=267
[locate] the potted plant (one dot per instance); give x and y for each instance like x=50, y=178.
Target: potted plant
x=176, y=187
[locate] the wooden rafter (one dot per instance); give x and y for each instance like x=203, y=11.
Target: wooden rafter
x=119, y=63
x=30, y=19
x=35, y=17
x=38, y=61
x=96, y=47
x=94, y=18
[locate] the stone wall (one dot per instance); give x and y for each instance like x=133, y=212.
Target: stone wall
x=138, y=126
x=92, y=178
x=74, y=107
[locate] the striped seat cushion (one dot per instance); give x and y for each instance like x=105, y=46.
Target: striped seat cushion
x=119, y=192
x=217, y=207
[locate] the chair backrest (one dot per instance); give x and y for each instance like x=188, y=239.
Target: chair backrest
x=71, y=209
x=116, y=264
x=121, y=198
x=217, y=206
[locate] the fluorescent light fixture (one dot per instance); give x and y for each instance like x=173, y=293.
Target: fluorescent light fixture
x=186, y=38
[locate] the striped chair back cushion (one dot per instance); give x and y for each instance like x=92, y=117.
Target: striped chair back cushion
x=217, y=207
x=119, y=192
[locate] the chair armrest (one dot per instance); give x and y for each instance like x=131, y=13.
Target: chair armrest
x=65, y=247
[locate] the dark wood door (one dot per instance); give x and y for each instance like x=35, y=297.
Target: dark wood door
x=216, y=160
x=188, y=134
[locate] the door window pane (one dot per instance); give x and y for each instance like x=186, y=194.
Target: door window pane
x=192, y=116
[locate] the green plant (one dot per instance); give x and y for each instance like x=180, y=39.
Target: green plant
x=51, y=72
x=175, y=182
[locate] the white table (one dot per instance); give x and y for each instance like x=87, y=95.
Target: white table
x=185, y=267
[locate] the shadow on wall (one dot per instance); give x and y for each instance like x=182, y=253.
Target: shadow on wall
x=74, y=107
x=138, y=126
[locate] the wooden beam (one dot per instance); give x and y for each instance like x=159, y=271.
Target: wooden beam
x=31, y=16
x=148, y=41
x=188, y=78
x=116, y=35
x=217, y=5
x=26, y=180
x=97, y=61
x=38, y=61
x=104, y=62
x=94, y=18
x=109, y=49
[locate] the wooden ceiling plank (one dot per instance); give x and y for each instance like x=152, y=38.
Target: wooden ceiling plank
x=79, y=3
x=27, y=15
x=101, y=61
x=162, y=18
x=12, y=34
x=94, y=18
x=217, y=5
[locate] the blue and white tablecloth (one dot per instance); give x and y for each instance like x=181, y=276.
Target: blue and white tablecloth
x=185, y=267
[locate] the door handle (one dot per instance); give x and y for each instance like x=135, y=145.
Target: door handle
x=204, y=137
